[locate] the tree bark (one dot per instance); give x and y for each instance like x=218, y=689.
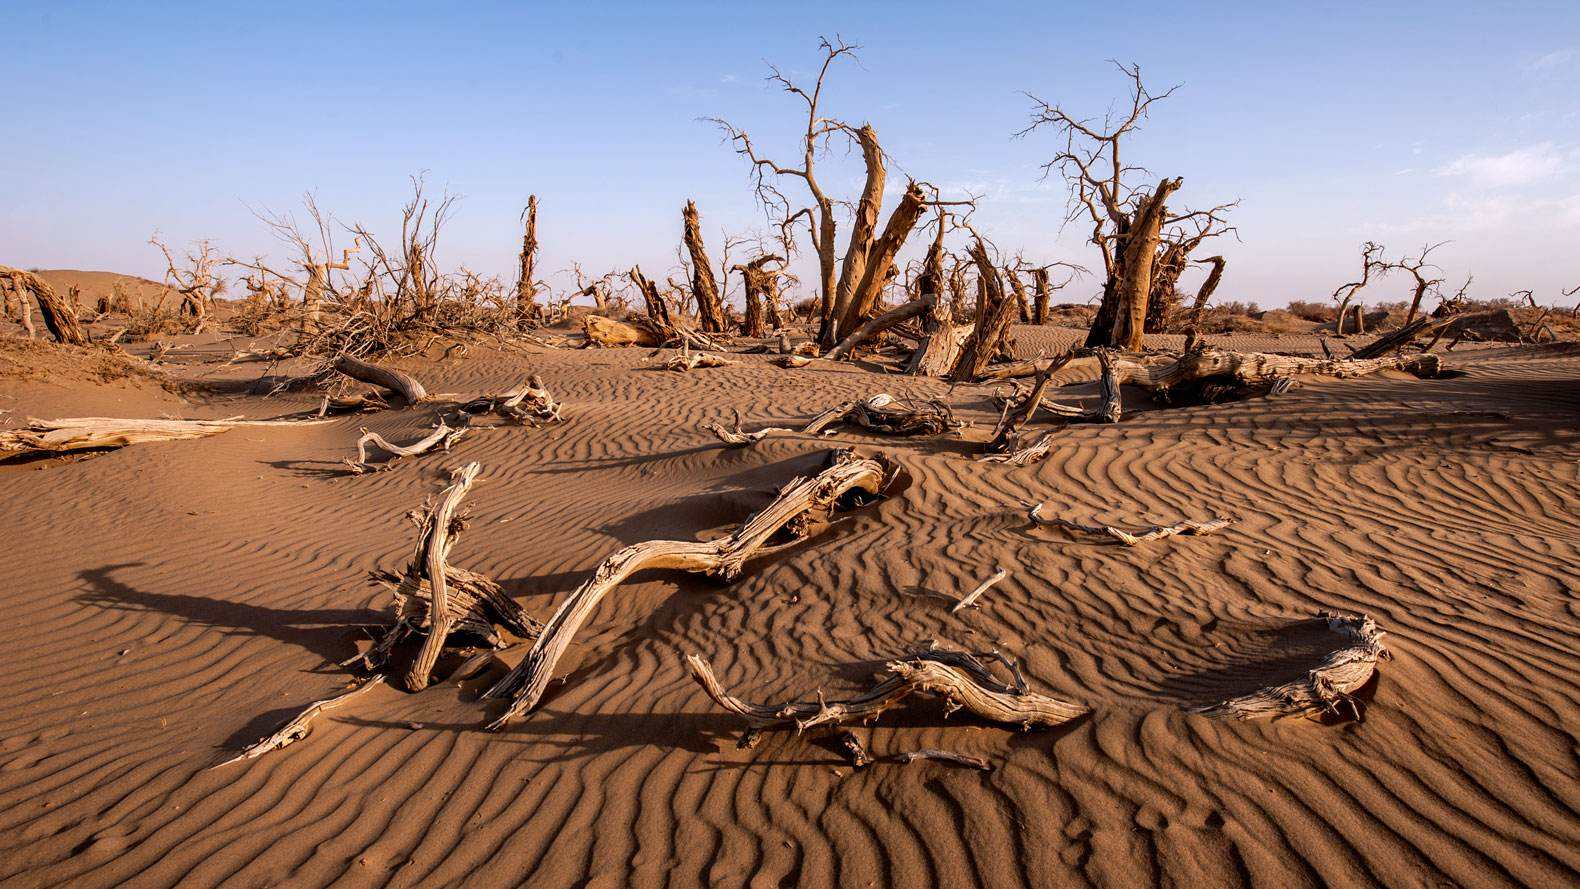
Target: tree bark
x=58, y=317
x=861, y=235
x=526, y=305
x=1044, y=292
x=880, y=259
x=995, y=310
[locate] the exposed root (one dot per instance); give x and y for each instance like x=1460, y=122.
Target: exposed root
x=441, y=437
x=84, y=433
x=799, y=508
x=881, y=413
x=299, y=727
x=1325, y=687
x=1131, y=538
x=958, y=677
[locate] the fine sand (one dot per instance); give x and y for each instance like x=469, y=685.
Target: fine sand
x=166, y=604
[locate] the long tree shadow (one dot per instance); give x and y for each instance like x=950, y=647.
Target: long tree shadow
x=327, y=632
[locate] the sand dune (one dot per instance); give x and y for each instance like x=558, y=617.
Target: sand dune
x=169, y=603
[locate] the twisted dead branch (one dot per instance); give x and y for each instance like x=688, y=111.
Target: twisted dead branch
x=1131, y=538
x=442, y=437
x=1326, y=686
x=959, y=678
x=300, y=725
x=969, y=600
x=800, y=508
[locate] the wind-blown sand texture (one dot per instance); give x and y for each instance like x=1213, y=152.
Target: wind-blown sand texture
x=169, y=603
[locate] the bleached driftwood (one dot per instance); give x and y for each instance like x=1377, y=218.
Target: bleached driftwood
x=441, y=437
x=880, y=413
x=436, y=598
x=1109, y=410
x=689, y=360
x=798, y=509
x=1327, y=685
x=959, y=678
x=299, y=727
x=84, y=433
x=1162, y=373
x=1131, y=538
x=969, y=600
x=529, y=402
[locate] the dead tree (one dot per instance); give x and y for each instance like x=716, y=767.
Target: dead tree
x=762, y=285
x=1169, y=264
x=1371, y=261
x=527, y=311
x=1419, y=269
x=197, y=285
x=1043, y=288
x=58, y=317
x=1128, y=222
x=839, y=299
x=942, y=338
x=704, y=287
x=995, y=310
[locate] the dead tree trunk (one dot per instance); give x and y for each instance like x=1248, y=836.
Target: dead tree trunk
x=704, y=287
x=995, y=309
x=1121, y=320
x=1164, y=296
x=1043, y=291
x=880, y=259
x=527, y=312
x=760, y=297
x=58, y=317
x=862, y=228
x=942, y=339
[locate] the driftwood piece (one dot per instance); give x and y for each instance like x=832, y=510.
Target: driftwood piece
x=441, y=437
x=85, y=433
x=1131, y=538
x=1025, y=456
x=881, y=413
x=800, y=506
x=1162, y=373
x=299, y=727
x=791, y=361
x=959, y=678
x=397, y=381
x=689, y=360
x=1327, y=685
x=530, y=402
x=969, y=600
x=974, y=762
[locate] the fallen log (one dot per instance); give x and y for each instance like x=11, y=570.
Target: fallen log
x=881, y=413
x=1162, y=374
x=875, y=326
x=1131, y=538
x=529, y=402
x=441, y=437
x=958, y=677
x=800, y=506
x=87, y=433
x=609, y=332
x=1327, y=685
x=689, y=360
x=299, y=726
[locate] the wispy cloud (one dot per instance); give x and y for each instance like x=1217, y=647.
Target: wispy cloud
x=1522, y=166
x=1484, y=213
x=1556, y=60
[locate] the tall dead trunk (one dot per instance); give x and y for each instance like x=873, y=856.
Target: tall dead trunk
x=58, y=317
x=704, y=287
x=1203, y=294
x=771, y=303
x=1421, y=287
x=1044, y=291
x=941, y=337
x=880, y=258
x=527, y=312
x=1121, y=320
x=861, y=236
x=657, y=310
x=995, y=309
x=760, y=296
x=1164, y=297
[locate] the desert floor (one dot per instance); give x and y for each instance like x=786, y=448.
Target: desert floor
x=166, y=604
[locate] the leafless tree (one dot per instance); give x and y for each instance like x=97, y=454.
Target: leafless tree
x=1419, y=269
x=1371, y=261
x=1129, y=221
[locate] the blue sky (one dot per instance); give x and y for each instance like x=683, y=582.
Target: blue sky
x=1405, y=124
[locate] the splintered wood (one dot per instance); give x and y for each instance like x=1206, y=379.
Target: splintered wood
x=1131, y=538
x=957, y=677
x=798, y=510
x=1326, y=686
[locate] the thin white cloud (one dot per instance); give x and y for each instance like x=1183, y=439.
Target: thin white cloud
x=1460, y=214
x=1522, y=166
x=1553, y=61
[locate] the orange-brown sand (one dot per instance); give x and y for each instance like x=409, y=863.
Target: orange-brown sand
x=166, y=604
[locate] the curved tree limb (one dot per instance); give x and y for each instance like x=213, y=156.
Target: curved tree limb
x=1326, y=686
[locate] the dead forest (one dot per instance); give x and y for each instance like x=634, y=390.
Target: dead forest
x=903, y=281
